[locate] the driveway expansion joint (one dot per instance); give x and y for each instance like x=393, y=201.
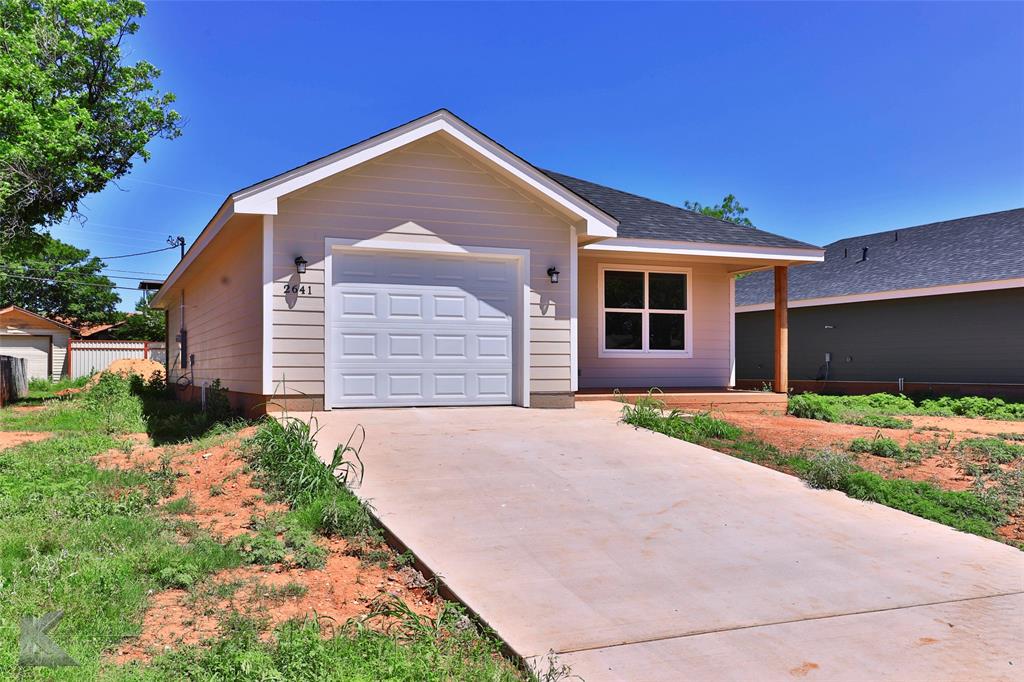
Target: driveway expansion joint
x=830, y=616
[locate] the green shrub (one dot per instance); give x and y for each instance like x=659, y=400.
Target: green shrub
x=879, y=446
x=112, y=399
x=814, y=406
x=973, y=406
x=1006, y=435
x=993, y=449
x=829, y=470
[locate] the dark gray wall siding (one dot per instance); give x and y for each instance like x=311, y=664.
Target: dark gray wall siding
x=959, y=338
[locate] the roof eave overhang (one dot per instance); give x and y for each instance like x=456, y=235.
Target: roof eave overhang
x=868, y=296
x=779, y=255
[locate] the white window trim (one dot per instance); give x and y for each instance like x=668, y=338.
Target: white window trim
x=645, y=313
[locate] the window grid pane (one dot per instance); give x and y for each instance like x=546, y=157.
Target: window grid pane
x=645, y=311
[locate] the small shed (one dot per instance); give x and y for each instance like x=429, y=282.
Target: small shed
x=41, y=341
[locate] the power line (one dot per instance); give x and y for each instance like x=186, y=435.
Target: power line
x=136, y=272
x=69, y=281
x=183, y=189
x=15, y=269
x=141, y=253
x=110, y=236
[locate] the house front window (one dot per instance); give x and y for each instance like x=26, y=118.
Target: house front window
x=644, y=312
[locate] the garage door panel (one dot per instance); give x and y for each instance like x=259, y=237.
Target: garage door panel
x=376, y=345
x=408, y=386
x=418, y=330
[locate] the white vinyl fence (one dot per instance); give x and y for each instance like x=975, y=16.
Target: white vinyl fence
x=86, y=357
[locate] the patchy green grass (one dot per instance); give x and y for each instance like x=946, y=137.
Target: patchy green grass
x=117, y=405
x=882, y=410
x=445, y=648
x=41, y=389
x=978, y=511
x=89, y=542
x=96, y=543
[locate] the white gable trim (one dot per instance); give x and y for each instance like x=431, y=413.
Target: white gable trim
x=991, y=285
x=262, y=198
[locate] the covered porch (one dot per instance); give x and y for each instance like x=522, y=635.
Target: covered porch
x=661, y=315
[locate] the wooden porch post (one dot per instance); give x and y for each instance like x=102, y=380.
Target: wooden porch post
x=781, y=329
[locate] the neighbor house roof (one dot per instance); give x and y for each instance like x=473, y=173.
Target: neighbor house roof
x=13, y=309
x=643, y=218
x=979, y=249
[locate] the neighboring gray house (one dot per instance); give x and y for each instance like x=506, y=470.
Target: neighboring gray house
x=934, y=304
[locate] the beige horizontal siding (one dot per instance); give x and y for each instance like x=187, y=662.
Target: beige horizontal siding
x=223, y=309
x=429, y=192
x=711, y=362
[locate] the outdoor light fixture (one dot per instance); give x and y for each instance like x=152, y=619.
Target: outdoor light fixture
x=300, y=265
x=553, y=274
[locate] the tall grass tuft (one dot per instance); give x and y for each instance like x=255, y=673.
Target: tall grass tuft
x=649, y=413
x=283, y=451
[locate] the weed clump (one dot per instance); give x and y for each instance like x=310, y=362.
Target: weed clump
x=829, y=470
x=814, y=406
x=649, y=413
x=879, y=446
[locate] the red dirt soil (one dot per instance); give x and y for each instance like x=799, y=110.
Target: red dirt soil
x=793, y=434
x=343, y=589
x=10, y=439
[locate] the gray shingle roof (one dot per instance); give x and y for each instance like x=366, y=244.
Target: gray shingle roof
x=975, y=249
x=642, y=218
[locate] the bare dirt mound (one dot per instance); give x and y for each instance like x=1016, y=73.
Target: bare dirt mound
x=129, y=366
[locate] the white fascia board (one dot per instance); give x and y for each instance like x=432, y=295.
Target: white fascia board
x=262, y=198
x=990, y=285
x=211, y=230
x=657, y=246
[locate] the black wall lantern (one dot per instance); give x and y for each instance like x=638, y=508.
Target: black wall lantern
x=553, y=274
x=300, y=265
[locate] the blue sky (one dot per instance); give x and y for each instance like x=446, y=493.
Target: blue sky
x=826, y=120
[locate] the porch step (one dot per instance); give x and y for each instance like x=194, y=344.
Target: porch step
x=698, y=400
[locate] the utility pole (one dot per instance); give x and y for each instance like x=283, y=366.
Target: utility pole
x=178, y=241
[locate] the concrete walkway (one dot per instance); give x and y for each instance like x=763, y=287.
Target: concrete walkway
x=634, y=556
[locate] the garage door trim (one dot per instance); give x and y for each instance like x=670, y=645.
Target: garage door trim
x=520, y=325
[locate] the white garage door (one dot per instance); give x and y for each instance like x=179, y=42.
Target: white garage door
x=419, y=329
x=35, y=349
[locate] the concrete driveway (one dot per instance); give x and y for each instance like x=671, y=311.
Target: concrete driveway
x=638, y=557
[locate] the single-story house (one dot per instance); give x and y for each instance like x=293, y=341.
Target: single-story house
x=936, y=307
x=429, y=265
x=41, y=341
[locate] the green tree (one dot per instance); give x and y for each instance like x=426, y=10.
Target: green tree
x=73, y=116
x=54, y=279
x=147, y=324
x=729, y=209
